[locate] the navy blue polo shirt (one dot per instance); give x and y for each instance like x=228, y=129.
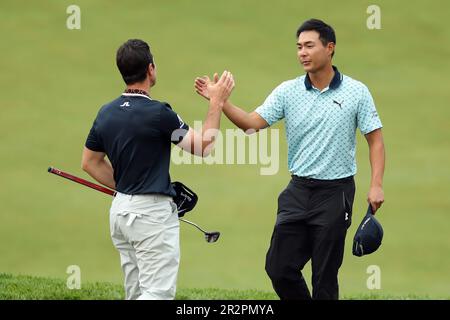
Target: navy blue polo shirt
x=135, y=132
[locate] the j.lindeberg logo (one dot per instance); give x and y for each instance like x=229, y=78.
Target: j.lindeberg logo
x=339, y=103
x=125, y=104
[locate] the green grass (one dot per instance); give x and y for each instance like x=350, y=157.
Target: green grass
x=40, y=288
x=54, y=80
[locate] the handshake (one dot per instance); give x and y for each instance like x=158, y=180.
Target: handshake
x=217, y=91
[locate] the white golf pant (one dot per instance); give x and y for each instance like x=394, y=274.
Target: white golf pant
x=145, y=231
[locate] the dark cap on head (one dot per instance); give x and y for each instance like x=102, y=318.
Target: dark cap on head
x=369, y=235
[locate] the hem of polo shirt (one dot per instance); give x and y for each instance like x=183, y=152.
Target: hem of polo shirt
x=322, y=179
x=146, y=194
x=186, y=130
x=371, y=130
x=265, y=119
x=94, y=149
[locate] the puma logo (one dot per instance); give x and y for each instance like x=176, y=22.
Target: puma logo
x=338, y=103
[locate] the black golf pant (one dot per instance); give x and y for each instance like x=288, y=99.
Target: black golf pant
x=312, y=221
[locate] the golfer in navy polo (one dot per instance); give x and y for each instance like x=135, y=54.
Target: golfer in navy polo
x=322, y=111
x=135, y=132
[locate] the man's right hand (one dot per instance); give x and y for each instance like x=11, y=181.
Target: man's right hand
x=239, y=117
x=219, y=90
x=201, y=143
x=201, y=85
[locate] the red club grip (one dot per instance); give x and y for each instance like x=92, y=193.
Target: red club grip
x=82, y=181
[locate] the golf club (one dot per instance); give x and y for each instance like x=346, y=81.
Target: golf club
x=209, y=236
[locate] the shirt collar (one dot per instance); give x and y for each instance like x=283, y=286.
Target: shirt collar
x=334, y=84
x=136, y=93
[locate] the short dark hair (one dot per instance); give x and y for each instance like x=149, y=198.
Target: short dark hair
x=132, y=59
x=326, y=32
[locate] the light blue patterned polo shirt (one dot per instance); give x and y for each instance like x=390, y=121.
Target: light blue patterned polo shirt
x=321, y=125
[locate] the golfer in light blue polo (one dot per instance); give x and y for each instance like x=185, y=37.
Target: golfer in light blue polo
x=322, y=111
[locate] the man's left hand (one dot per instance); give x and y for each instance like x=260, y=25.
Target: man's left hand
x=375, y=197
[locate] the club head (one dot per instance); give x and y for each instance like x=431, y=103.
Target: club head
x=212, y=236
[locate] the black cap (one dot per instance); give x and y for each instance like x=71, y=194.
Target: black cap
x=368, y=236
x=185, y=199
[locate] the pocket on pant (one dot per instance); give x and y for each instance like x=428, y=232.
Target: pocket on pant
x=284, y=197
x=174, y=207
x=281, y=196
x=158, y=213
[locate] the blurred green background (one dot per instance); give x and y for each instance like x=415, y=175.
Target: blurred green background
x=54, y=80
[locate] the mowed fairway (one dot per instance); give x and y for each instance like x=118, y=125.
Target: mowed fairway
x=54, y=80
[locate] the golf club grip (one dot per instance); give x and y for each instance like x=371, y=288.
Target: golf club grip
x=81, y=181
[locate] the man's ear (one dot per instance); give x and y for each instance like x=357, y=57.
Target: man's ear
x=151, y=69
x=151, y=72
x=331, y=47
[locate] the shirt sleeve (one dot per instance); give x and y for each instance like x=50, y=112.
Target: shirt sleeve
x=171, y=124
x=272, y=110
x=93, y=141
x=367, y=117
